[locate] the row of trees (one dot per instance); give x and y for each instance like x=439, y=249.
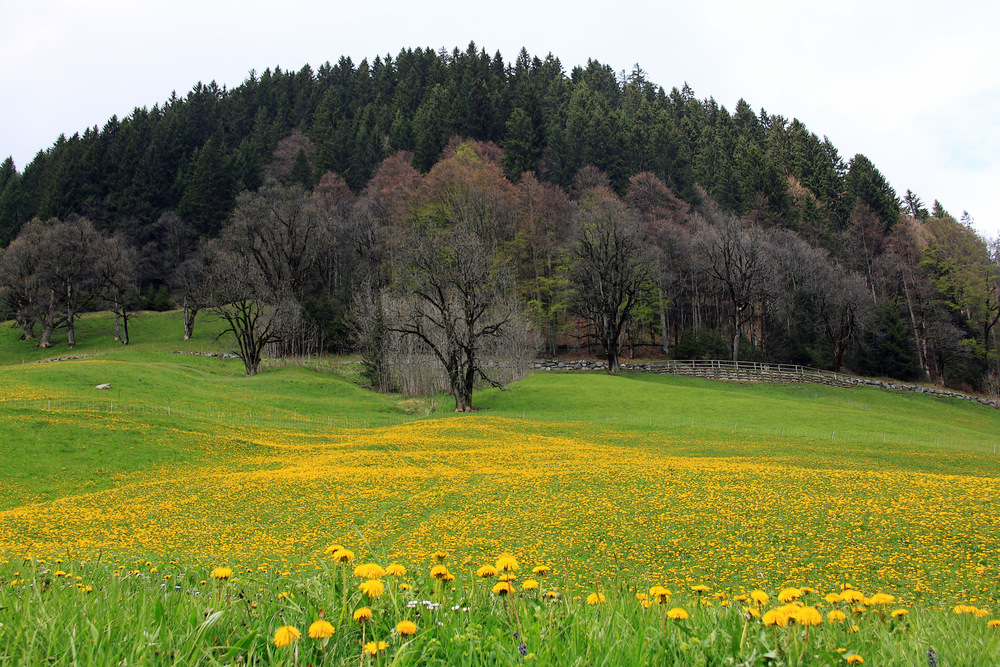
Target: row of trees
x=455, y=277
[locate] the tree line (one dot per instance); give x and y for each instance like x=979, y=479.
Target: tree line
x=592, y=212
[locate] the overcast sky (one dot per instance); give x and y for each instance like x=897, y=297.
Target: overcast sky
x=914, y=85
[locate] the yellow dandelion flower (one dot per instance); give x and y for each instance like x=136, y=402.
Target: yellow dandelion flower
x=440, y=555
x=332, y=549
x=807, y=616
x=506, y=577
x=321, y=630
x=852, y=596
x=836, y=616
x=832, y=598
x=760, y=598
x=855, y=659
x=507, y=563
x=994, y=623
x=374, y=648
x=502, y=588
x=700, y=588
x=540, y=570
x=373, y=588
x=486, y=571
x=439, y=572
x=369, y=571
x=896, y=613
x=363, y=615
x=286, y=635
x=596, y=598
x=395, y=570
x=343, y=555
x=529, y=584
x=448, y=577
x=659, y=594
x=678, y=614
x=405, y=587
x=775, y=617
x=406, y=628
x=789, y=594
x=881, y=599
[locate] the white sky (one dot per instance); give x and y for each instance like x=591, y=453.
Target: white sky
x=912, y=84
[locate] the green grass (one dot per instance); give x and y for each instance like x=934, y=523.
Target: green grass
x=610, y=478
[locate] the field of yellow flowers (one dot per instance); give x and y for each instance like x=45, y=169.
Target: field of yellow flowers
x=156, y=535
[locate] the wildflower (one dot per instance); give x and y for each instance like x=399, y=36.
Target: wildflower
x=529, y=584
x=507, y=563
x=502, y=588
x=678, y=614
x=994, y=623
x=374, y=648
x=343, y=555
x=369, y=571
x=659, y=594
x=506, y=577
x=775, y=617
x=439, y=572
x=881, y=599
x=406, y=628
x=448, y=577
x=700, y=588
x=394, y=570
x=832, y=598
x=789, y=594
x=373, y=588
x=836, y=616
x=596, y=598
x=852, y=596
x=363, y=615
x=321, y=630
x=405, y=587
x=540, y=570
x=332, y=549
x=897, y=613
x=807, y=616
x=931, y=657
x=286, y=635
x=440, y=555
x=486, y=571
x=855, y=659
x=760, y=598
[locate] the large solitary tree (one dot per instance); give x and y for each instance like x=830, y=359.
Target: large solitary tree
x=610, y=272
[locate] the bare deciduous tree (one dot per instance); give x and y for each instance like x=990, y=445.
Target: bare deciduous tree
x=455, y=296
x=610, y=272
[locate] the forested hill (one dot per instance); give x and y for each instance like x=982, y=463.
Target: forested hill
x=194, y=154
x=738, y=233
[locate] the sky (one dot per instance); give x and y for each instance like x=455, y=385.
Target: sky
x=913, y=85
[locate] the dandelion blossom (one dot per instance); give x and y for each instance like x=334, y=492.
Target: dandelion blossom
x=343, y=555
x=899, y=612
x=881, y=599
x=596, y=598
x=502, y=588
x=678, y=614
x=394, y=570
x=486, y=572
x=540, y=570
x=789, y=594
x=374, y=648
x=700, y=588
x=363, y=615
x=440, y=555
x=406, y=628
x=807, y=616
x=855, y=659
x=439, y=572
x=507, y=563
x=332, y=549
x=775, y=617
x=995, y=623
x=222, y=573
x=760, y=598
x=369, y=571
x=286, y=635
x=659, y=594
x=373, y=588
x=836, y=616
x=321, y=630
x=529, y=584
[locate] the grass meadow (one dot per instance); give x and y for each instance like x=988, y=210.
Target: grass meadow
x=868, y=519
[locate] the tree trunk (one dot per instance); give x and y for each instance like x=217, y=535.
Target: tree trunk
x=43, y=341
x=125, y=339
x=613, y=365
x=189, y=315
x=117, y=322
x=663, y=330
